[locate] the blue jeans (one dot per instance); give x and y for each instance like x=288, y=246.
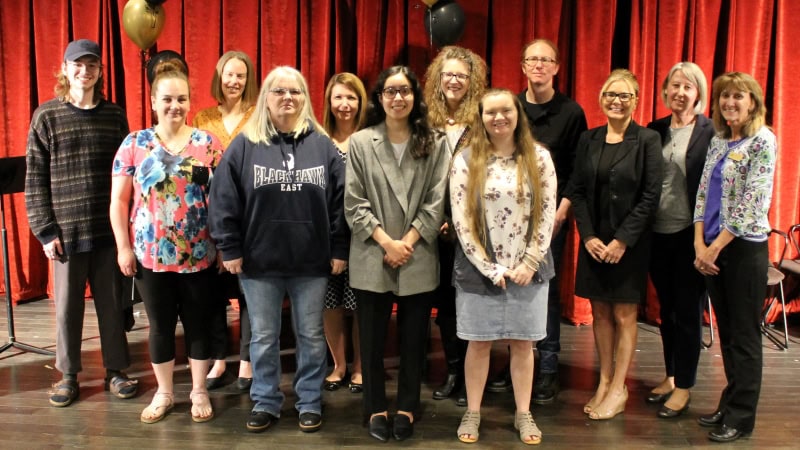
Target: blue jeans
x=264, y=300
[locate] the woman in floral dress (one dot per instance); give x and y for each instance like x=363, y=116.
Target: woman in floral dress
x=159, y=214
x=503, y=196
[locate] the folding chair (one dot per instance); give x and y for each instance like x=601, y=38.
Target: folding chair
x=774, y=295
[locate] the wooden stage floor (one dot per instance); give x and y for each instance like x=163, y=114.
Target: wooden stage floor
x=97, y=420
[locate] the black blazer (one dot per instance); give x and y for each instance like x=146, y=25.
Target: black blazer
x=635, y=182
x=695, y=153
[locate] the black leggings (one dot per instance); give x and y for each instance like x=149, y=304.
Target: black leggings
x=168, y=296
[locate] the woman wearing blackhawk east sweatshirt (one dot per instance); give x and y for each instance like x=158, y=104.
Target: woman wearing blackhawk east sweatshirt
x=277, y=216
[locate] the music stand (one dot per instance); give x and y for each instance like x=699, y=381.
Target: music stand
x=12, y=180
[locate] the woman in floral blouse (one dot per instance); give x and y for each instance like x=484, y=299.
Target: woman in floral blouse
x=159, y=214
x=730, y=242
x=503, y=194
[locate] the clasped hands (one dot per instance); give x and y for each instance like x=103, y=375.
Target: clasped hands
x=602, y=253
x=521, y=275
x=398, y=252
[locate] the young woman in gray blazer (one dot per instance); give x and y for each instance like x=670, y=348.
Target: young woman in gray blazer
x=394, y=203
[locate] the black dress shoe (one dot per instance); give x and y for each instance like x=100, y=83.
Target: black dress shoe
x=727, y=434
x=403, y=427
x=545, y=389
x=334, y=385
x=669, y=413
x=447, y=388
x=711, y=420
x=310, y=422
x=461, y=397
x=379, y=428
x=502, y=383
x=654, y=398
x=243, y=384
x=215, y=382
x=259, y=421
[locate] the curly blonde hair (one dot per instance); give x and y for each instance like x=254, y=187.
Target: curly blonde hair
x=467, y=112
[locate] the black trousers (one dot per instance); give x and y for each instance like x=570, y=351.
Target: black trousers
x=681, y=293
x=737, y=295
x=374, y=313
x=227, y=287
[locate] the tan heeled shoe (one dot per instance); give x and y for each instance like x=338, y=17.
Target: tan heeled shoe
x=591, y=404
x=612, y=411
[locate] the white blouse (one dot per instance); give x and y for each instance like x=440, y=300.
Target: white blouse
x=506, y=215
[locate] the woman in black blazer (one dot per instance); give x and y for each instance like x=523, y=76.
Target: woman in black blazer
x=615, y=188
x=685, y=135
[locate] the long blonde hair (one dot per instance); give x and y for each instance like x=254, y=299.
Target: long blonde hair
x=527, y=171
x=260, y=127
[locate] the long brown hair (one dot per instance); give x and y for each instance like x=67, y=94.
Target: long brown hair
x=527, y=171
x=352, y=82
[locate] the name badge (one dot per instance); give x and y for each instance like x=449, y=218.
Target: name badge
x=736, y=156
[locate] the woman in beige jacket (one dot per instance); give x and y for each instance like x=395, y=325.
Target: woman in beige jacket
x=394, y=204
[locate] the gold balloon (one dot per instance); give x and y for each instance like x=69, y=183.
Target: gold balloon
x=430, y=2
x=143, y=22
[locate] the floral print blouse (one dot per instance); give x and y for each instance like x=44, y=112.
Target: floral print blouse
x=747, y=177
x=169, y=218
x=507, y=216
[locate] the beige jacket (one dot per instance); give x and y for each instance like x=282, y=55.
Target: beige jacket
x=379, y=192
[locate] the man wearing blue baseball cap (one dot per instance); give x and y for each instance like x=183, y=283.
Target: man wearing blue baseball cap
x=71, y=145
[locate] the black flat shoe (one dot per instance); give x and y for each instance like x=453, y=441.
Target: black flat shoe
x=334, y=385
x=727, y=434
x=403, y=427
x=310, y=422
x=654, y=398
x=259, y=421
x=669, y=413
x=447, y=388
x=243, y=384
x=711, y=420
x=356, y=388
x=379, y=428
x=215, y=382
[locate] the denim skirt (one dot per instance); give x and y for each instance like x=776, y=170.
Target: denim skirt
x=518, y=312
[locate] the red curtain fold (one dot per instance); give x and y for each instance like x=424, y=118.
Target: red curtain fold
x=321, y=37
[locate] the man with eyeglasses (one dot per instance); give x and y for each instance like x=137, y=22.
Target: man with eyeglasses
x=557, y=121
x=71, y=145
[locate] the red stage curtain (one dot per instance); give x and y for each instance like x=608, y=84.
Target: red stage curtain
x=322, y=37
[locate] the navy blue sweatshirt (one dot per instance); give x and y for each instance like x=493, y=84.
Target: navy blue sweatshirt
x=280, y=206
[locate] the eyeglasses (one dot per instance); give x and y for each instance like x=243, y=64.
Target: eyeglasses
x=534, y=60
x=91, y=67
x=461, y=77
x=280, y=92
x=624, y=97
x=391, y=92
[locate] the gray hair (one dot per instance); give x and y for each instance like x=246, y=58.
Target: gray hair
x=695, y=75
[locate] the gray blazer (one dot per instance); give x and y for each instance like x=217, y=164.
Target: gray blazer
x=379, y=192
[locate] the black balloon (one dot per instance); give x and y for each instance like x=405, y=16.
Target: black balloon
x=155, y=2
x=444, y=23
x=164, y=55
